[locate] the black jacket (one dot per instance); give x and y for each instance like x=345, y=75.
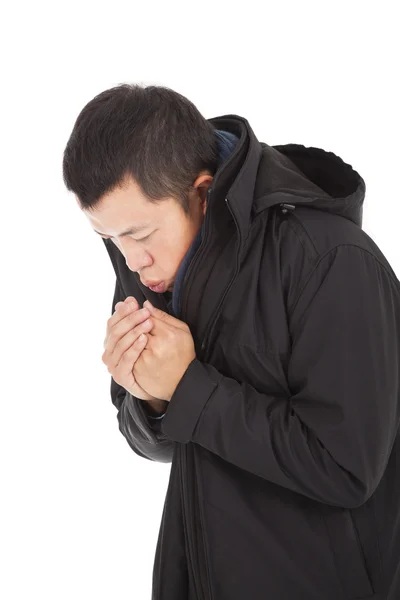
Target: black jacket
x=284, y=431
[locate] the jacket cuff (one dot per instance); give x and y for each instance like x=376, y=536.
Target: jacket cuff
x=145, y=409
x=188, y=401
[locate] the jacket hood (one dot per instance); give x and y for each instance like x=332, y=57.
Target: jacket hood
x=294, y=174
x=314, y=177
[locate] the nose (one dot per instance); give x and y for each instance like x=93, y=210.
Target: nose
x=136, y=265
x=137, y=259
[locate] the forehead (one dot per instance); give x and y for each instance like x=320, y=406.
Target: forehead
x=126, y=211
x=119, y=209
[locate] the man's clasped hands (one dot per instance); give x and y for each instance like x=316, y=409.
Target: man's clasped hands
x=147, y=351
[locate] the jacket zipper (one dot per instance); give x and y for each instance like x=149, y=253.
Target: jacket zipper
x=195, y=259
x=187, y=508
x=187, y=522
x=208, y=335
x=202, y=582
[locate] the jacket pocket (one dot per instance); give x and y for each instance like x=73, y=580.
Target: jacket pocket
x=347, y=552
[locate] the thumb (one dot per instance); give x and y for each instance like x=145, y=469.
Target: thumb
x=163, y=316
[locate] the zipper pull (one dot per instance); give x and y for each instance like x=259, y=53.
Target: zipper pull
x=286, y=207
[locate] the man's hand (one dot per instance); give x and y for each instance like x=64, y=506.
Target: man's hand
x=168, y=353
x=122, y=346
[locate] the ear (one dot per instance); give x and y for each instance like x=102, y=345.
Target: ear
x=202, y=184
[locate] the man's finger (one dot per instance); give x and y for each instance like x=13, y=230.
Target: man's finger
x=165, y=317
x=122, y=310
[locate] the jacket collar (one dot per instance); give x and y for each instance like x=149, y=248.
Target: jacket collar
x=234, y=183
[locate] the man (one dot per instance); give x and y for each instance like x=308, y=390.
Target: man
x=269, y=371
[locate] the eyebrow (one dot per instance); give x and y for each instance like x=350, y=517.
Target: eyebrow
x=130, y=231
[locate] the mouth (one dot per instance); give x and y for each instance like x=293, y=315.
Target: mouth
x=159, y=288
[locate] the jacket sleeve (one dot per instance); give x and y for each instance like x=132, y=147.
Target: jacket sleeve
x=141, y=431
x=331, y=438
x=159, y=417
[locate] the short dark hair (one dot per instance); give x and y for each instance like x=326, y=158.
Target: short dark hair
x=152, y=134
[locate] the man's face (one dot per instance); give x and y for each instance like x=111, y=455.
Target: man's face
x=157, y=250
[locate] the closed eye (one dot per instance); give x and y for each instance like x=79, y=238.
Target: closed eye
x=141, y=239
x=145, y=238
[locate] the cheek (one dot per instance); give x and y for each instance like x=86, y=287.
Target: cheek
x=160, y=253
x=168, y=253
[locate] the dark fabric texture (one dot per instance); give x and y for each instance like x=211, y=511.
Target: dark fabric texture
x=283, y=433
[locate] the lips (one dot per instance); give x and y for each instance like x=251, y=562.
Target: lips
x=158, y=287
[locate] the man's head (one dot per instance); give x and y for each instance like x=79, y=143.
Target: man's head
x=143, y=156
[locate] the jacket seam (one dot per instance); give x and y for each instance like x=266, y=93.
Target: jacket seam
x=329, y=252
x=298, y=236
x=360, y=546
x=332, y=552
x=377, y=537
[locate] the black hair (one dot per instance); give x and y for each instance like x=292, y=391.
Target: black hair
x=149, y=133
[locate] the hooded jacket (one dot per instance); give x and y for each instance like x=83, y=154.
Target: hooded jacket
x=283, y=433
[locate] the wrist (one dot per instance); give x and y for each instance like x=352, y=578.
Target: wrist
x=155, y=407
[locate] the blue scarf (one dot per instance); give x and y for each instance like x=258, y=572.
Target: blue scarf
x=226, y=144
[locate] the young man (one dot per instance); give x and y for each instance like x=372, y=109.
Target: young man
x=269, y=373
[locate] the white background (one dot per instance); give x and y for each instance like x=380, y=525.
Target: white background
x=80, y=511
